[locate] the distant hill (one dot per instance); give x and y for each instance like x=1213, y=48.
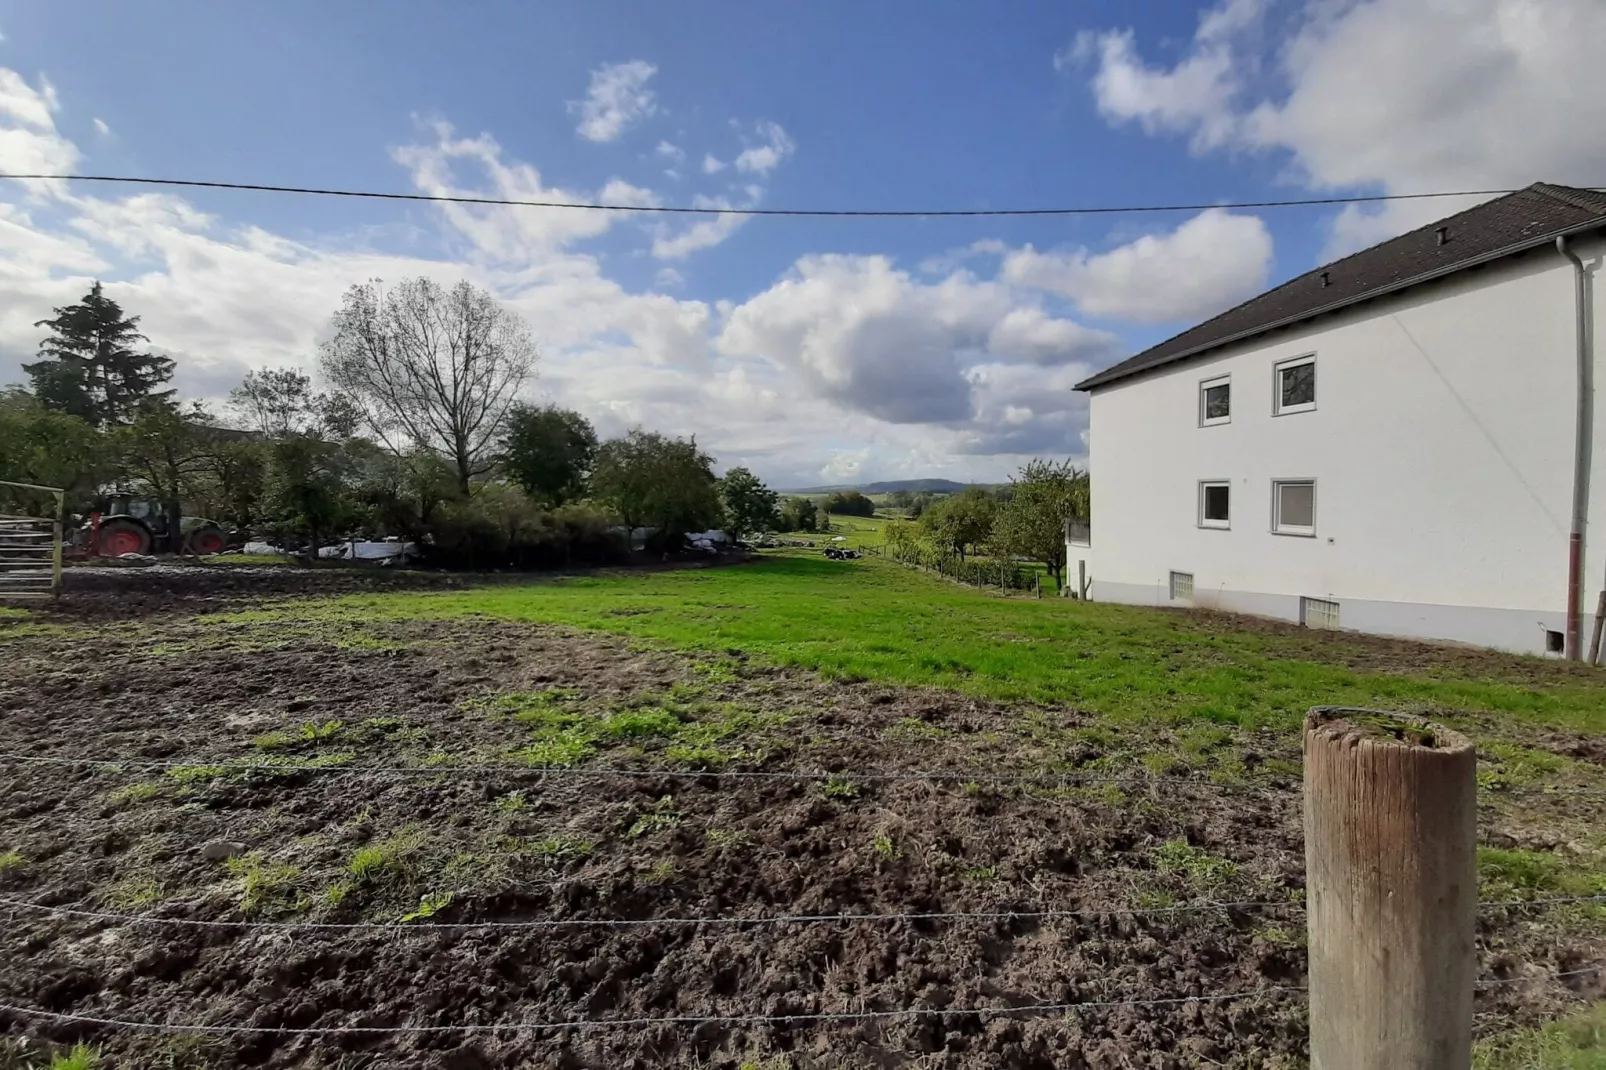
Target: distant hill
x=937, y=486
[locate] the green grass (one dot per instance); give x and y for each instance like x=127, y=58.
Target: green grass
x=10, y=860
x=873, y=620
x=1198, y=867
x=1525, y=874
x=79, y=1057
x=1575, y=1043
x=391, y=858
x=265, y=885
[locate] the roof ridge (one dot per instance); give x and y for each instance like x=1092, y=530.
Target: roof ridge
x=1568, y=195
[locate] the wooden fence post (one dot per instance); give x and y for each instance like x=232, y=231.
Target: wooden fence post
x=1600, y=622
x=1391, y=890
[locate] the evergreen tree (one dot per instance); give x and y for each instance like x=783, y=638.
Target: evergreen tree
x=88, y=366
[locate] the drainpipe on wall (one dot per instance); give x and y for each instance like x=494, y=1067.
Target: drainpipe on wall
x=1575, y=538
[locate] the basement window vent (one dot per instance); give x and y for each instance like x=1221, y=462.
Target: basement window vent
x=1181, y=586
x=1318, y=613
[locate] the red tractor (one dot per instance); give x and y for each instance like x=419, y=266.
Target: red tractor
x=130, y=525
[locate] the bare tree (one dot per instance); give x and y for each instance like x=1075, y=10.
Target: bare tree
x=430, y=368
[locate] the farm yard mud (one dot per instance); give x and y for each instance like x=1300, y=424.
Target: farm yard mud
x=347, y=771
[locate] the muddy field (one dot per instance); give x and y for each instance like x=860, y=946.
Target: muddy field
x=378, y=775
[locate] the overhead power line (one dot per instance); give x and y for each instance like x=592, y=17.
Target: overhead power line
x=663, y=209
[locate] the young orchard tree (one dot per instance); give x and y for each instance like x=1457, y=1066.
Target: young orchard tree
x=88, y=366
x=549, y=452
x=960, y=522
x=431, y=368
x=749, y=504
x=800, y=514
x=1031, y=522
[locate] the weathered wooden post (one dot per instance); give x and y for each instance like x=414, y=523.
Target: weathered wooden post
x=1392, y=888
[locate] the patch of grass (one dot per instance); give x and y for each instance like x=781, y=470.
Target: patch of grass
x=662, y=872
x=144, y=791
x=911, y=729
x=79, y=1057
x=428, y=906
x=641, y=724
x=552, y=849
x=1198, y=867
x=728, y=841
x=265, y=885
x=837, y=786
x=874, y=620
x=511, y=803
x=1201, y=739
x=1575, y=1043
x=885, y=848
x=134, y=892
x=10, y=860
x=568, y=748
x=660, y=816
x=313, y=732
x=1508, y=765
x=393, y=858
x=980, y=874
x=1514, y=874
x=197, y=774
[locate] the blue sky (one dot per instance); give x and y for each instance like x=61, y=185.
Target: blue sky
x=813, y=350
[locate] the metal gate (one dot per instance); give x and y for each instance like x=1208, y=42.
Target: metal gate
x=30, y=546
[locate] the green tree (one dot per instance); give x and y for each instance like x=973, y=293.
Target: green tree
x=48, y=448
x=960, y=522
x=165, y=450
x=1031, y=522
x=800, y=514
x=849, y=503
x=651, y=480
x=277, y=401
x=749, y=504
x=88, y=366
x=549, y=452
x=305, y=494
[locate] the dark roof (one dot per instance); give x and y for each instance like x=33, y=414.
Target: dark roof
x=1511, y=224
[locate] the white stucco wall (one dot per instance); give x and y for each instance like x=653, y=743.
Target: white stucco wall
x=1441, y=445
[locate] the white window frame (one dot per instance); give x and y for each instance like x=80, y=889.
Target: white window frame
x=1299, y=531
x=1320, y=613
x=1277, y=406
x=1206, y=385
x=1217, y=525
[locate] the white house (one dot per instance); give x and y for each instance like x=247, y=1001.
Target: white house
x=1398, y=442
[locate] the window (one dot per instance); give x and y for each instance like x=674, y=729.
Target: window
x=1293, y=507
x=1215, y=401
x=1318, y=613
x=1295, y=386
x=1181, y=586
x=1214, y=511
x=1079, y=532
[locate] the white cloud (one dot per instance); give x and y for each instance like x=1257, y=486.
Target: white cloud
x=1209, y=263
x=867, y=336
x=101, y=128
x=667, y=278
x=617, y=98
x=712, y=165
x=763, y=158
x=1401, y=95
x=29, y=141
x=670, y=151
x=703, y=234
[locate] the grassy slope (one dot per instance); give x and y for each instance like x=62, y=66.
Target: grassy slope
x=874, y=620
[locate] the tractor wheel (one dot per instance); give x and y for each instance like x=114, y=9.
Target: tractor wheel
x=205, y=541
x=119, y=537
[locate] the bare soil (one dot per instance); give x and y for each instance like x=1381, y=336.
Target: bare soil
x=514, y=846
